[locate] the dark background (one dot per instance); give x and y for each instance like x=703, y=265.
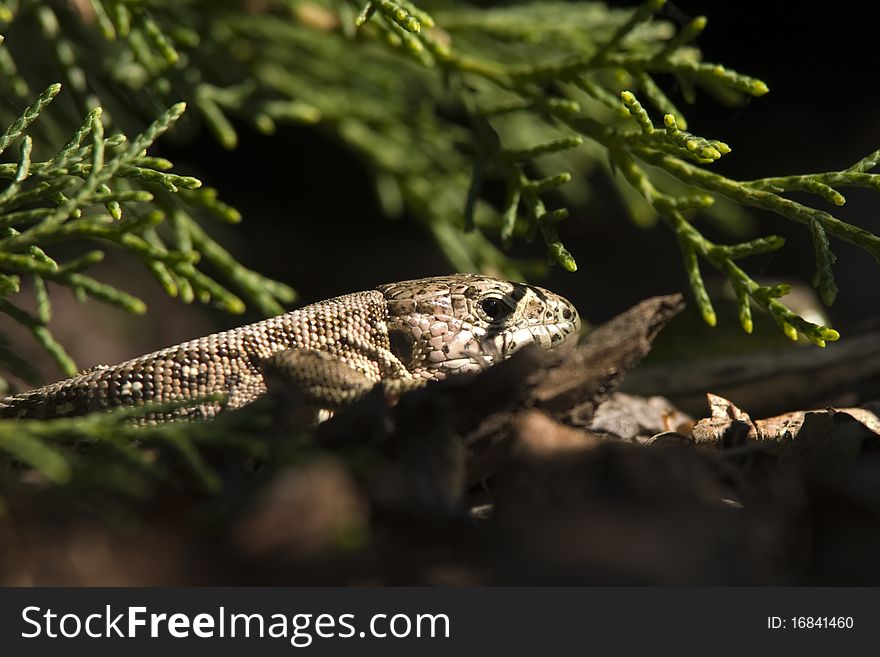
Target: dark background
x=311, y=218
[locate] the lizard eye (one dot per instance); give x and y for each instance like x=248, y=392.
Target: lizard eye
x=495, y=309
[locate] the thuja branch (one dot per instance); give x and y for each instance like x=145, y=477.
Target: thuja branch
x=625, y=148
x=104, y=189
x=681, y=154
x=384, y=78
x=112, y=452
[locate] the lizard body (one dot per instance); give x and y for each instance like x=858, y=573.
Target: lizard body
x=401, y=334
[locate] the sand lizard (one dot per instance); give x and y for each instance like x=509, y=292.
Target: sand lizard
x=401, y=334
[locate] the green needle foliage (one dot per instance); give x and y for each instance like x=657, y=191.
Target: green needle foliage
x=443, y=101
x=108, y=452
x=104, y=189
x=438, y=100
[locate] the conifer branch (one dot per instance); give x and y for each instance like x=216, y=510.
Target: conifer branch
x=91, y=189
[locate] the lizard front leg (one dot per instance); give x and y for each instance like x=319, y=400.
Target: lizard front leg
x=312, y=385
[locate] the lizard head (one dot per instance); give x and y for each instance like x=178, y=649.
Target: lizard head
x=464, y=323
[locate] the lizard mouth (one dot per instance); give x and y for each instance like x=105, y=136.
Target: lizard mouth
x=548, y=336
x=500, y=346
x=466, y=364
